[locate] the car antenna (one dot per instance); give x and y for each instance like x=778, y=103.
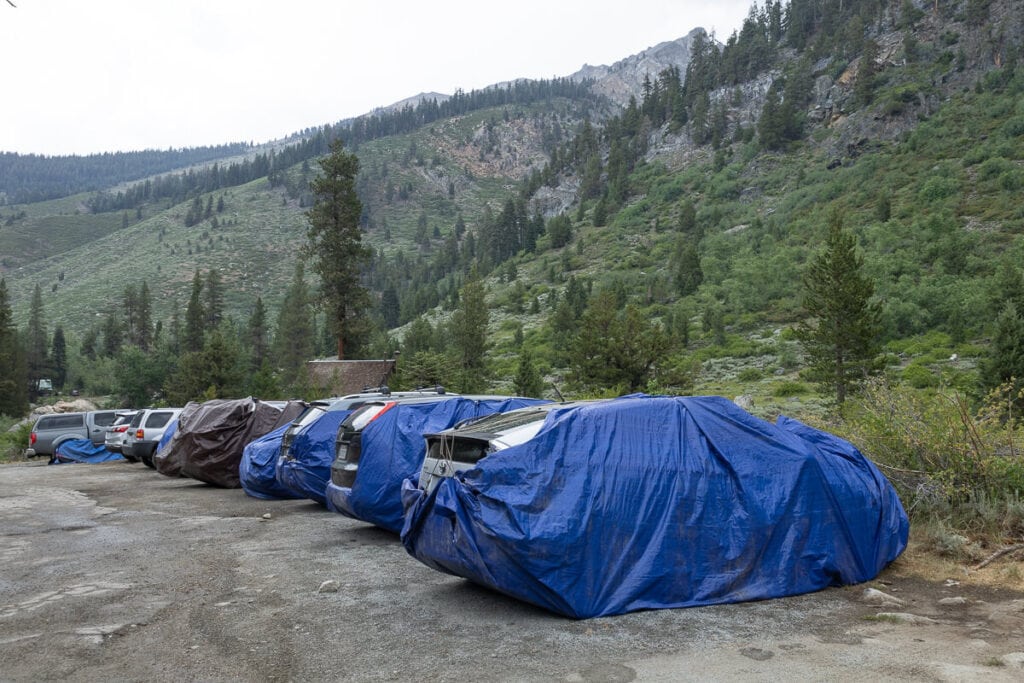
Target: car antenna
x=561, y=399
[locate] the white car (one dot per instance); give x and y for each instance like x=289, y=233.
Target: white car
x=464, y=445
x=114, y=437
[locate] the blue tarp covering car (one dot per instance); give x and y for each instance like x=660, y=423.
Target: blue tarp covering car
x=257, y=471
x=393, y=449
x=307, y=469
x=650, y=502
x=82, y=451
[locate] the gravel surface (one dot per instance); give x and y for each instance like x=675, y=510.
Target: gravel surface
x=113, y=572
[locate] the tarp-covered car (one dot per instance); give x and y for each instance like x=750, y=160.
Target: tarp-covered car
x=257, y=470
x=82, y=451
x=209, y=437
x=650, y=502
x=391, y=448
x=304, y=466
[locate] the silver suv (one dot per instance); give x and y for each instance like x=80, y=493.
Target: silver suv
x=145, y=431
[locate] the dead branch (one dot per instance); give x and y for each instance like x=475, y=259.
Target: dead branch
x=999, y=553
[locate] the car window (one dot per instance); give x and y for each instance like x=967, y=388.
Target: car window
x=61, y=421
x=459, y=450
x=104, y=419
x=158, y=419
x=137, y=420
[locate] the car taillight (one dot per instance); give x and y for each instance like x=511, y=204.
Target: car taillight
x=32, y=439
x=140, y=433
x=121, y=429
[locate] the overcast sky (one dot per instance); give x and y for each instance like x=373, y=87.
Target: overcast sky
x=86, y=76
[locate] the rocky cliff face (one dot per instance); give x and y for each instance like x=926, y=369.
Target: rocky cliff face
x=624, y=78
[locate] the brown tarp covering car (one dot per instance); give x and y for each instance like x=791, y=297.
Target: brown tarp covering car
x=211, y=436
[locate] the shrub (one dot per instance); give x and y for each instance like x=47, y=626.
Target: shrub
x=919, y=377
x=788, y=388
x=14, y=441
x=947, y=462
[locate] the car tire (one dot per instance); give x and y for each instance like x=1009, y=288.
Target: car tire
x=147, y=460
x=130, y=458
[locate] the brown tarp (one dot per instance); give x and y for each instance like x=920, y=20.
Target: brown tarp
x=210, y=437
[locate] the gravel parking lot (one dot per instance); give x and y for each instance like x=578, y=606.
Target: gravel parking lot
x=112, y=572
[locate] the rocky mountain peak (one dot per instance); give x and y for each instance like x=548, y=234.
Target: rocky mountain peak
x=624, y=78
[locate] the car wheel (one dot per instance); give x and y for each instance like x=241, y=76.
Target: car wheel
x=147, y=460
x=129, y=458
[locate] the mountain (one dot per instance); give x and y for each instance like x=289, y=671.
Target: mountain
x=905, y=119
x=625, y=78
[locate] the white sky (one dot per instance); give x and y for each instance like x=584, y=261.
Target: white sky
x=85, y=76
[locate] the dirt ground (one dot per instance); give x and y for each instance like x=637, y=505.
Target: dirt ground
x=113, y=572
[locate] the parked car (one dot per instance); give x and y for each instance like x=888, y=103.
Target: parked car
x=381, y=445
x=308, y=446
x=50, y=431
x=461, y=447
x=144, y=432
x=114, y=438
x=651, y=502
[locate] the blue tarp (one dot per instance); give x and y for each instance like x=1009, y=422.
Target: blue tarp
x=656, y=502
x=393, y=448
x=82, y=450
x=308, y=470
x=258, y=469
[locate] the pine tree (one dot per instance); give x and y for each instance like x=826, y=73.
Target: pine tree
x=1005, y=361
x=615, y=348
x=259, y=338
x=59, y=358
x=144, y=338
x=213, y=299
x=469, y=332
x=687, y=271
x=294, y=338
x=527, y=381
x=335, y=243
x=13, y=371
x=195, y=318
x=840, y=335
x=37, y=342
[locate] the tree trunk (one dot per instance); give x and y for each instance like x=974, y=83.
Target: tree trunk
x=341, y=348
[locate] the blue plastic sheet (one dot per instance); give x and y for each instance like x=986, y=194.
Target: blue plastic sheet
x=82, y=451
x=393, y=448
x=308, y=469
x=657, y=502
x=258, y=469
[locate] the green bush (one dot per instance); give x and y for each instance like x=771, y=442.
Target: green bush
x=919, y=377
x=789, y=388
x=936, y=188
x=13, y=442
x=749, y=375
x=947, y=462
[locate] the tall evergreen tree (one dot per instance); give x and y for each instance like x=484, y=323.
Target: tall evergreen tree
x=144, y=320
x=195, y=318
x=59, y=358
x=469, y=332
x=335, y=243
x=37, y=342
x=259, y=337
x=840, y=335
x=294, y=339
x=13, y=372
x=213, y=298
